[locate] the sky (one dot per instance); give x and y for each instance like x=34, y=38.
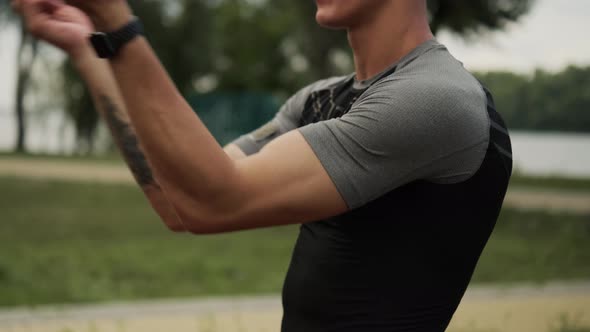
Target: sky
x=552, y=36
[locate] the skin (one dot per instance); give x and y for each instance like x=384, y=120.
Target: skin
x=195, y=184
x=69, y=31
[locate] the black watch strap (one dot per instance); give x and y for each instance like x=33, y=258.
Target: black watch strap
x=108, y=45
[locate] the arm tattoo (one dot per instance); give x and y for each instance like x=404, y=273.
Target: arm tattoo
x=126, y=139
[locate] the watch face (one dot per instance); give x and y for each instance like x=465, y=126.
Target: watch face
x=102, y=45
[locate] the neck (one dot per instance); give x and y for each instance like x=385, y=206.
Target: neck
x=377, y=43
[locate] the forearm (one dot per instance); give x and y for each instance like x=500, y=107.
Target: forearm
x=180, y=147
x=203, y=183
x=109, y=103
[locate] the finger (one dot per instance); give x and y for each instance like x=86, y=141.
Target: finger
x=29, y=8
x=34, y=17
x=33, y=7
x=54, y=3
x=49, y=6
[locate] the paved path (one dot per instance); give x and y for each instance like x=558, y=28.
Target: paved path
x=519, y=308
x=577, y=202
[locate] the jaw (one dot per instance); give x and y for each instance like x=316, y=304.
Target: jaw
x=344, y=14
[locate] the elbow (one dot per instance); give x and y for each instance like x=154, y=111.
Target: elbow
x=172, y=220
x=175, y=228
x=165, y=211
x=204, y=221
x=219, y=211
x=204, y=225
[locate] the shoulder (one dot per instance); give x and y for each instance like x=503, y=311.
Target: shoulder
x=435, y=77
x=293, y=107
x=433, y=89
x=432, y=101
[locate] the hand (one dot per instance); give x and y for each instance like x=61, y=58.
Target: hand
x=57, y=23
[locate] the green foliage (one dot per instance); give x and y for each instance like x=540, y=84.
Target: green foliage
x=467, y=17
x=249, y=46
x=73, y=242
x=79, y=107
x=536, y=246
x=550, y=182
x=181, y=33
x=543, y=101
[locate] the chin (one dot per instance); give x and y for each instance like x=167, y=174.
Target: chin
x=343, y=14
x=330, y=22
x=334, y=14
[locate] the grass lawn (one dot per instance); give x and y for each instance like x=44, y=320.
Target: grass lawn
x=108, y=159
x=550, y=182
x=73, y=242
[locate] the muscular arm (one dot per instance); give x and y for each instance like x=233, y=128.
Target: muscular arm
x=282, y=184
x=210, y=189
x=108, y=101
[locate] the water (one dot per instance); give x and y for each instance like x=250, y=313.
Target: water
x=551, y=153
x=535, y=153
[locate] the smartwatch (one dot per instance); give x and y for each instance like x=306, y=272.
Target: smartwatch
x=108, y=44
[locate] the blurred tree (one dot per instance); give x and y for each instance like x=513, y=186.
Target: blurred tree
x=277, y=46
x=232, y=45
x=510, y=95
x=465, y=17
x=543, y=100
x=316, y=44
x=27, y=52
x=263, y=29
x=247, y=47
x=79, y=108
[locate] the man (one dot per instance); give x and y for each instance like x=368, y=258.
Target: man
x=397, y=173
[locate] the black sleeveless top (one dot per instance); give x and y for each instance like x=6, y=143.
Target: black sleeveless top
x=403, y=261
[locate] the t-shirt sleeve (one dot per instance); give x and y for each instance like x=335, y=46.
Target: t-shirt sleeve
x=288, y=118
x=284, y=121
x=397, y=133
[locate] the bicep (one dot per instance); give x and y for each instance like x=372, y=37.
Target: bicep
x=328, y=168
x=285, y=183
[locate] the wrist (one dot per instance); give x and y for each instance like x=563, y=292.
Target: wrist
x=84, y=58
x=111, y=16
x=81, y=52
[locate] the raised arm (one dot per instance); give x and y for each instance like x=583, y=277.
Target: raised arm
x=98, y=76
x=68, y=28
x=284, y=183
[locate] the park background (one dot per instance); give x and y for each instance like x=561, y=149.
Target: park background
x=77, y=236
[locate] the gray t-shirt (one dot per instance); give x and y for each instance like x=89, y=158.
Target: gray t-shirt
x=427, y=120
